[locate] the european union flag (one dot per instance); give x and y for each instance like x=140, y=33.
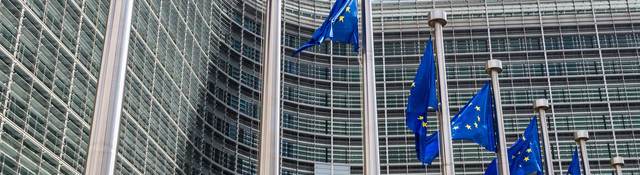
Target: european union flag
x=527, y=159
x=340, y=26
x=475, y=120
x=524, y=154
x=574, y=167
x=427, y=147
x=423, y=93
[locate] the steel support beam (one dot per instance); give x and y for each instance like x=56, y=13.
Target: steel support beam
x=369, y=112
x=269, y=162
x=105, y=126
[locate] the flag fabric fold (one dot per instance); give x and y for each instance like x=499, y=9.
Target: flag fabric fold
x=340, y=26
x=427, y=147
x=475, y=121
x=574, y=167
x=524, y=155
x=422, y=95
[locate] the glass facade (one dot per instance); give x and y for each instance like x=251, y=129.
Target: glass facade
x=581, y=55
x=193, y=82
x=50, y=53
x=192, y=89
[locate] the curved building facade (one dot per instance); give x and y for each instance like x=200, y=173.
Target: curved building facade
x=193, y=82
x=581, y=55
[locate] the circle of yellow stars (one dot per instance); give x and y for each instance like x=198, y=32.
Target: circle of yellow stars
x=475, y=124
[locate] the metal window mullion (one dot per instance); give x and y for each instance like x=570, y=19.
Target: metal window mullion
x=604, y=79
x=546, y=63
x=13, y=65
x=29, y=137
x=153, y=80
x=77, y=44
x=55, y=69
x=384, y=77
x=623, y=80
x=48, y=31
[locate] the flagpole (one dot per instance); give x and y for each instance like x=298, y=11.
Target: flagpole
x=269, y=162
x=617, y=163
x=541, y=105
x=494, y=67
x=437, y=20
x=581, y=137
x=103, y=141
x=370, y=126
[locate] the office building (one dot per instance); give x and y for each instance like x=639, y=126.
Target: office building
x=193, y=82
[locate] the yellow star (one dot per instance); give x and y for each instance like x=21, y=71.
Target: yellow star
x=513, y=157
x=413, y=84
x=341, y=18
x=526, y=159
x=348, y=9
x=478, y=118
x=477, y=108
x=420, y=117
x=424, y=124
x=529, y=150
x=455, y=127
x=475, y=124
x=468, y=126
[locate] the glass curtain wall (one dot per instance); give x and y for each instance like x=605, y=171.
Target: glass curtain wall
x=50, y=54
x=581, y=55
x=192, y=91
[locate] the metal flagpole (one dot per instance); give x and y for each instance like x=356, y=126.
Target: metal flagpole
x=270, y=121
x=494, y=67
x=437, y=20
x=370, y=125
x=103, y=140
x=541, y=105
x=617, y=163
x=581, y=137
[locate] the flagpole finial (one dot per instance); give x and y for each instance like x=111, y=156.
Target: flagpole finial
x=541, y=104
x=437, y=16
x=494, y=64
x=580, y=135
x=617, y=160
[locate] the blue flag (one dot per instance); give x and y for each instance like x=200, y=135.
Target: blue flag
x=524, y=155
x=423, y=93
x=427, y=147
x=527, y=159
x=340, y=26
x=492, y=169
x=574, y=167
x=475, y=120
